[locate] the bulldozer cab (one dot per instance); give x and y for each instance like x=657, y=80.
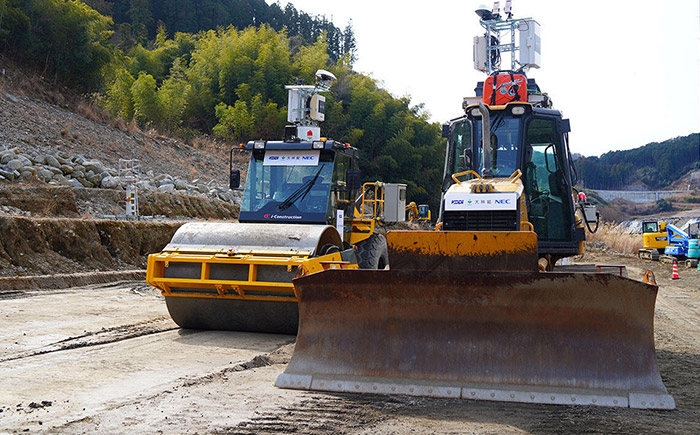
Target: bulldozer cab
x=299, y=182
x=534, y=141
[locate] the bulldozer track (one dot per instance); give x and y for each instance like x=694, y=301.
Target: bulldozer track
x=321, y=415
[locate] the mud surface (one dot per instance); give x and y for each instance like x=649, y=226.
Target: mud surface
x=108, y=359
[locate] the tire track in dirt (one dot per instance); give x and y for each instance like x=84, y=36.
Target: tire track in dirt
x=103, y=336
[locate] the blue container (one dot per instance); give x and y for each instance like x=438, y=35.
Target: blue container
x=694, y=248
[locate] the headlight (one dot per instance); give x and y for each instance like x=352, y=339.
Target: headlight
x=476, y=112
x=259, y=145
x=518, y=110
x=318, y=144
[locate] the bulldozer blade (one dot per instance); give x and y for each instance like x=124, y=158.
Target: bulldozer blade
x=272, y=317
x=558, y=338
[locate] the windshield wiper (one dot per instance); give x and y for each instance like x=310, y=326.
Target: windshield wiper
x=300, y=193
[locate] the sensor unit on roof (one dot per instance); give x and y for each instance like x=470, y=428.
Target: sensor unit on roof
x=318, y=108
x=530, y=44
x=480, y=53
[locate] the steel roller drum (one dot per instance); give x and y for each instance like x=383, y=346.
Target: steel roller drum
x=248, y=237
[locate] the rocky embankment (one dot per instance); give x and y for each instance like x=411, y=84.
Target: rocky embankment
x=80, y=172
x=61, y=187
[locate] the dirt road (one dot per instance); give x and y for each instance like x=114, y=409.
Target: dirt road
x=108, y=359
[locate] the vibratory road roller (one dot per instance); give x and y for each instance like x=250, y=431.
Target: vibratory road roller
x=303, y=209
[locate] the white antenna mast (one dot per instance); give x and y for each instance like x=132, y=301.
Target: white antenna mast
x=500, y=38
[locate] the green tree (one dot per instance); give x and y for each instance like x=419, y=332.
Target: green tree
x=147, y=107
x=311, y=58
x=173, y=96
x=349, y=44
x=235, y=123
x=118, y=100
x=140, y=15
x=68, y=40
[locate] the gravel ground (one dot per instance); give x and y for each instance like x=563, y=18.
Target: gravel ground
x=108, y=359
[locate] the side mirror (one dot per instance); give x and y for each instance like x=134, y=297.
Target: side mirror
x=445, y=130
x=467, y=158
x=354, y=179
x=564, y=125
x=234, y=179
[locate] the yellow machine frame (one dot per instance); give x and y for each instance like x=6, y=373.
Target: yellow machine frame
x=232, y=289
x=361, y=227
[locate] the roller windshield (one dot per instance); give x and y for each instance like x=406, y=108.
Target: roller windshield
x=289, y=185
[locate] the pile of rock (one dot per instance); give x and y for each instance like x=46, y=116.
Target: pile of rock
x=80, y=172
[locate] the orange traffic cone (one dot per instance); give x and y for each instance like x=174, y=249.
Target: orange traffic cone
x=675, y=271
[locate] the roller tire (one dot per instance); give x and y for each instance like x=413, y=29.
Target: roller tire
x=372, y=253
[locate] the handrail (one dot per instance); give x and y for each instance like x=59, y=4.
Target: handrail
x=459, y=174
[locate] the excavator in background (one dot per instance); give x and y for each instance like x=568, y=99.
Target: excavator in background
x=654, y=240
x=418, y=213
x=664, y=241
x=303, y=209
x=478, y=308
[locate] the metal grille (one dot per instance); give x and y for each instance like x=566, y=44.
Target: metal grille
x=497, y=220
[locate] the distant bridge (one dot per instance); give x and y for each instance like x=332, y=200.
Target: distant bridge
x=640, y=197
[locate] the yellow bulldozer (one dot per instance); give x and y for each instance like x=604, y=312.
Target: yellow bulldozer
x=303, y=209
x=479, y=309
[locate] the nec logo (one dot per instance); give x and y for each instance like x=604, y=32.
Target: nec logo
x=457, y=201
x=502, y=201
x=273, y=158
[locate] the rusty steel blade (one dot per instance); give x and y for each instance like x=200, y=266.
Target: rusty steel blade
x=509, y=336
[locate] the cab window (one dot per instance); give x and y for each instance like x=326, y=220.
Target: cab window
x=650, y=227
x=543, y=179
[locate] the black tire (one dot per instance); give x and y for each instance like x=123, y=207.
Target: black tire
x=372, y=253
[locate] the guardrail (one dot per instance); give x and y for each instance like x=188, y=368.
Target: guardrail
x=640, y=197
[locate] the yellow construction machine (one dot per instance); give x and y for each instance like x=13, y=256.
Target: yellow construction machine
x=478, y=308
x=303, y=209
x=418, y=213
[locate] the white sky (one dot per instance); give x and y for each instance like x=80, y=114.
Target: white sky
x=626, y=72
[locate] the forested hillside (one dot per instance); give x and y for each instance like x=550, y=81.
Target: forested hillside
x=227, y=81
x=138, y=21
x=657, y=165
